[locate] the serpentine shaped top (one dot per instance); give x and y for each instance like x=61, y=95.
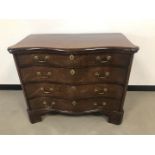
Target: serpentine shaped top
x=74, y=42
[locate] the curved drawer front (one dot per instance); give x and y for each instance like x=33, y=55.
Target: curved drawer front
x=85, y=75
x=73, y=60
x=84, y=105
x=79, y=91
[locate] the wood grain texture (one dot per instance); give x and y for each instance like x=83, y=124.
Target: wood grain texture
x=82, y=105
x=57, y=60
x=74, y=73
x=65, y=42
x=74, y=91
x=63, y=75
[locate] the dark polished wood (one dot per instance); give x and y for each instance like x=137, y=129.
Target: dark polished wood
x=77, y=105
x=74, y=91
x=74, y=73
x=77, y=76
x=83, y=60
x=69, y=42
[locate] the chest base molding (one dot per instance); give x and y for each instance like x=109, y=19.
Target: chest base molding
x=114, y=117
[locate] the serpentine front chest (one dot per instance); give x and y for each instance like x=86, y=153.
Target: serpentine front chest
x=74, y=73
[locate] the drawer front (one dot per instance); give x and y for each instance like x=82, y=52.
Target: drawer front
x=74, y=105
x=74, y=60
x=74, y=91
x=85, y=75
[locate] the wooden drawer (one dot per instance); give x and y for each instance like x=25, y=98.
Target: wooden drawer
x=64, y=75
x=73, y=91
x=44, y=58
x=84, y=105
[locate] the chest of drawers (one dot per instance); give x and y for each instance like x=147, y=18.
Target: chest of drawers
x=74, y=73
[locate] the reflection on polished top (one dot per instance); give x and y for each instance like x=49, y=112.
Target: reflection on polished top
x=75, y=41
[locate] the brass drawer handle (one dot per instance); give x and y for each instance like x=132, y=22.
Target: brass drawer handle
x=103, y=60
x=36, y=57
x=72, y=72
x=53, y=103
x=73, y=87
x=106, y=74
x=47, y=91
x=74, y=103
x=101, y=92
x=44, y=102
x=103, y=104
x=95, y=104
x=71, y=57
x=39, y=74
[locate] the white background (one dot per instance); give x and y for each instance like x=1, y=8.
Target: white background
x=136, y=19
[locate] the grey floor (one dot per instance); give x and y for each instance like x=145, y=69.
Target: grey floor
x=139, y=118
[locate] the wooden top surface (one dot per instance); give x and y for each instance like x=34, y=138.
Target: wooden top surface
x=74, y=41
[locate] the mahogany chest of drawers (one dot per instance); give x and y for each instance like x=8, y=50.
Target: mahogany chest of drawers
x=74, y=73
